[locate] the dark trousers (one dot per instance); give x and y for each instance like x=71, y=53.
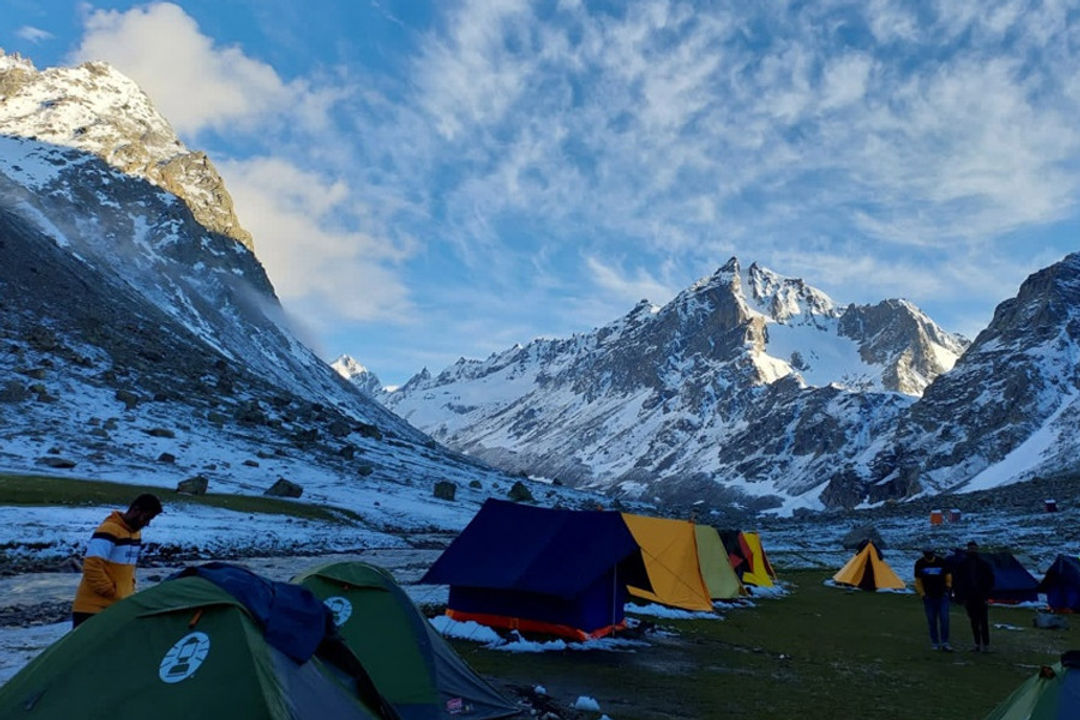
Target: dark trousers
x=78, y=619
x=979, y=614
x=937, y=617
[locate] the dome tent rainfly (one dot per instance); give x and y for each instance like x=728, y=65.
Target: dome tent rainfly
x=562, y=572
x=413, y=667
x=1053, y=693
x=236, y=646
x=867, y=570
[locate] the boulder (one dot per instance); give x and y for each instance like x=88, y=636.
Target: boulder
x=363, y=470
x=127, y=397
x=56, y=462
x=251, y=463
x=166, y=457
x=160, y=432
x=520, y=493
x=284, y=488
x=445, y=490
x=855, y=537
x=475, y=484
x=196, y=485
x=13, y=392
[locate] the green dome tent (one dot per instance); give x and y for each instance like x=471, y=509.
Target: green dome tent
x=183, y=649
x=415, y=670
x=1051, y=694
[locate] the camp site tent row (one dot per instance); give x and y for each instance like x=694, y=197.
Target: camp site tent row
x=219, y=641
x=570, y=573
x=1053, y=693
x=867, y=570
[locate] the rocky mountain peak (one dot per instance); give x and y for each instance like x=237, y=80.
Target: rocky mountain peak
x=97, y=109
x=785, y=299
x=365, y=380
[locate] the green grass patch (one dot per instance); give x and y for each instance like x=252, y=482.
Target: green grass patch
x=70, y=492
x=817, y=653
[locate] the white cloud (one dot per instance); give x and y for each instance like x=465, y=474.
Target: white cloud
x=629, y=289
x=193, y=81
x=300, y=221
x=33, y=34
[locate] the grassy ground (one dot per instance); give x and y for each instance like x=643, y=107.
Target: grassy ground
x=65, y=491
x=817, y=653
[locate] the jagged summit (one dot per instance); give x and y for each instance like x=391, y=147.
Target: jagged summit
x=97, y=109
x=738, y=386
x=365, y=380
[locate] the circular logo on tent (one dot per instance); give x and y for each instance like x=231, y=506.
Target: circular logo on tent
x=184, y=657
x=341, y=608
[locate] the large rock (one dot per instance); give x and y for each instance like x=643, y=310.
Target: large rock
x=520, y=493
x=445, y=490
x=196, y=485
x=284, y=488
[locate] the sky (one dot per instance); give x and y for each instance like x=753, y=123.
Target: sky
x=433, y=180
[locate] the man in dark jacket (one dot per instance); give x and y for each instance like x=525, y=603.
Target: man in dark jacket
x=932, y=582
x=974, y=581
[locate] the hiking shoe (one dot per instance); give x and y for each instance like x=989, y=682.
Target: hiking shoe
x=986, y=649
x=976, y=648
x=946, y=647
x=935, y=646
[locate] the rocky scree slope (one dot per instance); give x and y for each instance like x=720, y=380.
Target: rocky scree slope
x=137, y=344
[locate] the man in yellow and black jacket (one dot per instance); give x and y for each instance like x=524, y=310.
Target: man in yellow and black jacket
x=933, y=582
x=109, y=566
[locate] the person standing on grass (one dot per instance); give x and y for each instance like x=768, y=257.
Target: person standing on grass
x=974, y=583
x=933, y=582
x=108, y=571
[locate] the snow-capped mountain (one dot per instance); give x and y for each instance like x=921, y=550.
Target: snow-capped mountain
x=748, y=386
x=138, y=343
x=365, y=381
x=1008, y=411
x=97, y=109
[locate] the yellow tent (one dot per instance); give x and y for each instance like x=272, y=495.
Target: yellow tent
x=720, y=577
x=866, y=570
x=759, y=570
x=671, y=559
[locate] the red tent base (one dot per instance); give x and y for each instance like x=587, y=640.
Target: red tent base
x=536, y=626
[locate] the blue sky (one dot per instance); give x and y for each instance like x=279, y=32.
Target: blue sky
x=432, y=180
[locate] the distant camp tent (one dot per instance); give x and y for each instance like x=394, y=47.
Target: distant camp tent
x=1012, y=583
x=563, y=572
x=748, y=558
x=669, y=548
x=1053, y=693
x=936, y=517
x=1061, y=584
x=413, y=667
x=867, y=570
x=720, y=577
x=237, y=646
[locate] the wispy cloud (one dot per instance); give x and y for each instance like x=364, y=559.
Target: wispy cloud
x=558, y=150
x=33, y=34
